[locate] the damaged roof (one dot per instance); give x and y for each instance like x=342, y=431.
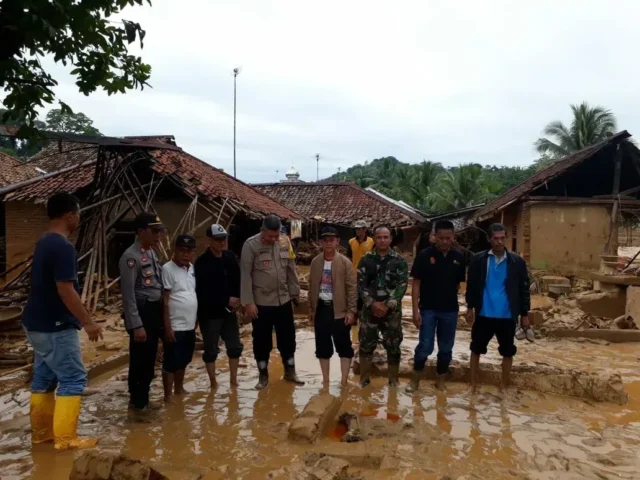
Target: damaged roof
x=545, y=175
x=13, y=170
x=460, y=218
x=73, y=168
x=196, y=176
x=340, y=203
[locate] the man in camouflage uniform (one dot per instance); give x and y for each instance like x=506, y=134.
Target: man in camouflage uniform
x=382, y=282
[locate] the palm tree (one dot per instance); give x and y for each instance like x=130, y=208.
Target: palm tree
x=460, y=187
x=384, y=174
x=361, y=177
x=589, y=125
x=419, y=187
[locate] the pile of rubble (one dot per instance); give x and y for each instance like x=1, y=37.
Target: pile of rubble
x=566, y=304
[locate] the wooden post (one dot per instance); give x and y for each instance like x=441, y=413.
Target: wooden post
x=105, y=245
x=611, y=246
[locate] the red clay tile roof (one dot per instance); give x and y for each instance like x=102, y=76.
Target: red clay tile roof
x=13, y=170
x=539, y=178
x=199, y=177
x=67, y=180
x=51, y=158
x=194, y=175
x=339, y=203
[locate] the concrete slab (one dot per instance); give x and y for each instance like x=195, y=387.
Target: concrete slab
x=624, y=280
x=314, y=419
x=632, y=307
x=548, y=280
x=602, y=304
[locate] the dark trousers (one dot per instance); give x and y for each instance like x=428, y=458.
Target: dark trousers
x=279, y=318
x=484, y=329
x=142, y=356
x=330, y=331
x=226, y=326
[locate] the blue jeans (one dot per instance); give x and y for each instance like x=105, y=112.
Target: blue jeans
x=440, y=325
x=58, y=363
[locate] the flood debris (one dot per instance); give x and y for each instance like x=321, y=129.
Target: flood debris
x=352, y=424
x=97, y=465
x=626, y=322
x=314, y=419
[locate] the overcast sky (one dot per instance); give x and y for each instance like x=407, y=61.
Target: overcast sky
x=447, y=81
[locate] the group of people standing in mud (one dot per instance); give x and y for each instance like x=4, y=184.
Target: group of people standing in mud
x=167, y=302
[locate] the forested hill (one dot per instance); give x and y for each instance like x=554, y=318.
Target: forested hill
x=432, y=188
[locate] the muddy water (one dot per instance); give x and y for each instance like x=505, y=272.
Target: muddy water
x=241, y=433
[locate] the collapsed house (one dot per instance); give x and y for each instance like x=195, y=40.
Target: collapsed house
x=341, y=204
x=565, y=216
x=115, y=179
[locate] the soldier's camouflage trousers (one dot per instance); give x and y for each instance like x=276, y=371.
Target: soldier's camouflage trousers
x=389, y=327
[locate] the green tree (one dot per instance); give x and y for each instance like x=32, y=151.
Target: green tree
x=420, y=185
x=21, y=148
x=59, y=121
x=384, y=174
x=589, y=125
x=76, y=33
x=460, y=187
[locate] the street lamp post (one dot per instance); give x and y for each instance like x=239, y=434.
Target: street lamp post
x=236, y=72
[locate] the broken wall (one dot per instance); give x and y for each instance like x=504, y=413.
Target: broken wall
x=25, y=223
x=567, y=238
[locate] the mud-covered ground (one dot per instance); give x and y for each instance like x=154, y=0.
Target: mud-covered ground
x=242, y=433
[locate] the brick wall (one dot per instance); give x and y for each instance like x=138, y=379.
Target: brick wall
x=25, y=222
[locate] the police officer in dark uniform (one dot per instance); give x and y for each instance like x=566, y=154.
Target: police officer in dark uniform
x=141, y=288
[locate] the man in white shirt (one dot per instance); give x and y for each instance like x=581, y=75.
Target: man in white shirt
x=180, y=309
x=333, y=298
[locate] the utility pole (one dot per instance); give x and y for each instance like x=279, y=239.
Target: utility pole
x=236, y=72
x=317, y=167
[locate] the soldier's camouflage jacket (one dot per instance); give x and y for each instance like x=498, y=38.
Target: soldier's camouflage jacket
x=383, y=279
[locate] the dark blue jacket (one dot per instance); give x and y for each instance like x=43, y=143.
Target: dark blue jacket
x=516, y=284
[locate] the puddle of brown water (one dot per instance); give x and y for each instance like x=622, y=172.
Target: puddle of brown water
x=241, y=433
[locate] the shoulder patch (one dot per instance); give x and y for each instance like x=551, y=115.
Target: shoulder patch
x=131, y=263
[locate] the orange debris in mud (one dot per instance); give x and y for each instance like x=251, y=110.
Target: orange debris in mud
x=337, y=431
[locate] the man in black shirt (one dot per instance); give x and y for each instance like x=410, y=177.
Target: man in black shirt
x=437, y=273
x=218, y=291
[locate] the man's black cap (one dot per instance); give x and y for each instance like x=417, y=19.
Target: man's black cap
x=188, y=241
x=146, y=220
x=328, y=232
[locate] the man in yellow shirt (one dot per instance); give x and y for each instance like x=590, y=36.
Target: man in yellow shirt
x=359, y=245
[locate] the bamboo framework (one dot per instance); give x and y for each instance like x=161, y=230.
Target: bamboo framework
x=115, y=193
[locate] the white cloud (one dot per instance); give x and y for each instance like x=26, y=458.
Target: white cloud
x=447, y=81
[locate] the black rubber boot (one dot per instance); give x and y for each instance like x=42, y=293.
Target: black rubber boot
x=263, y=379
x=365, y=371
x=414, y=384
x=290, y=375
x=394, y=371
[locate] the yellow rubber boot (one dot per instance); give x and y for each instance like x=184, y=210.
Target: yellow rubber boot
x=42, y=407
x=65, y=425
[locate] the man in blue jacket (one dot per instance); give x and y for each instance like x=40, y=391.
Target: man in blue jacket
x=497, y=292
